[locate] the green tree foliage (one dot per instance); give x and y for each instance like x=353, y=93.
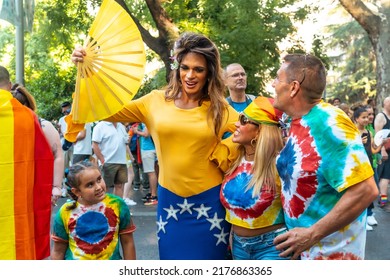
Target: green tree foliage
x=247, y=32
x=355, y=63
x=6, y=39
x=374, y=17
x=49, y=75
x=58, y=27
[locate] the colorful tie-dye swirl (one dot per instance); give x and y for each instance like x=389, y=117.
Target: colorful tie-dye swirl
x=323, y=157
x=92, y=232
x=244, y=209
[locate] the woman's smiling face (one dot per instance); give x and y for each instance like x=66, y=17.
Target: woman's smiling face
x=193, y=73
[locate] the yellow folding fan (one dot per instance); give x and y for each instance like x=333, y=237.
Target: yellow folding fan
x=113, y=67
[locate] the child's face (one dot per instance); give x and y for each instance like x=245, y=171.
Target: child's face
x=92, y=187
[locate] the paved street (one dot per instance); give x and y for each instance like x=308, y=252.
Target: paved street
x=377, y=247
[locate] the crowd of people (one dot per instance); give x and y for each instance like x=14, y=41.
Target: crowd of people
x=227, y=179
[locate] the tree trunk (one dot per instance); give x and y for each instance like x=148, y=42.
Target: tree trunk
x=377, y=26
x=167, y=30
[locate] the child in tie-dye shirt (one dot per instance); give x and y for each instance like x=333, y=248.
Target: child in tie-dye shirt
x=92, y=226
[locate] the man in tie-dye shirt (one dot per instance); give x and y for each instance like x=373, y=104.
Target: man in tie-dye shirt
x=327, y=180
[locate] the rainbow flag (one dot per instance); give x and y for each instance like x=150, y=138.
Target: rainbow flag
x=26, y=175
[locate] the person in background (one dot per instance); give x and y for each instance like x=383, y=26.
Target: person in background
x=67, y=147
x=347, y=109
x=251, y=189
x=26, y=181
x=130, y=172
x=52, y=137
x=148, y=155
x=372, y=103
x=336, y=102
x=327, y=179
x=187, y=121
x=82, y=148
x=109, y=141
x=361, y=120
x=382, y=121
x=376, y=159
x=236, y=83
x=94, y=223
x=140, y=179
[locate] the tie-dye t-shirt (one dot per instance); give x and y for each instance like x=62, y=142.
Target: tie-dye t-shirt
x=242, y=208
x=323, y=157
x=92, y=232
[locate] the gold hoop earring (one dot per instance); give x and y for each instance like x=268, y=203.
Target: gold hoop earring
x=253, y=142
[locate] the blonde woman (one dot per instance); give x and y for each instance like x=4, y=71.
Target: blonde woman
x=251, y=189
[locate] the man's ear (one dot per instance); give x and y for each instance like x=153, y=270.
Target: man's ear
x=295, y=89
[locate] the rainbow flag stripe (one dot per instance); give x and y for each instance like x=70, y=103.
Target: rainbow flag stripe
x=26, y=175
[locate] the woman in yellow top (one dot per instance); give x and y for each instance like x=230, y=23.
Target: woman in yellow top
x=187, y=121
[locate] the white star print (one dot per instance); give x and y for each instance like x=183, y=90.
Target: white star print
x=161, y=225
x=185, y=206
x=221, y=236
x=215, y=222
x=202, y=211
x=171, y=212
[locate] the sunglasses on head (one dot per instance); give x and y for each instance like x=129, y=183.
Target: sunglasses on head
x=244, y=120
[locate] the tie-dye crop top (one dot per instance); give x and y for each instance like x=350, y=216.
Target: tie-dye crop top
x=244, y=210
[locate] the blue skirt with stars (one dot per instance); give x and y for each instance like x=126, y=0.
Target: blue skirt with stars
x=192, y=228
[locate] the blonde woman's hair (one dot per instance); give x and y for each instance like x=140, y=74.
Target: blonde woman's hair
x=268, y=144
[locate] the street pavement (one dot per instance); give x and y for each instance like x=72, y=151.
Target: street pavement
x=144, y=217
x=377, y=245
